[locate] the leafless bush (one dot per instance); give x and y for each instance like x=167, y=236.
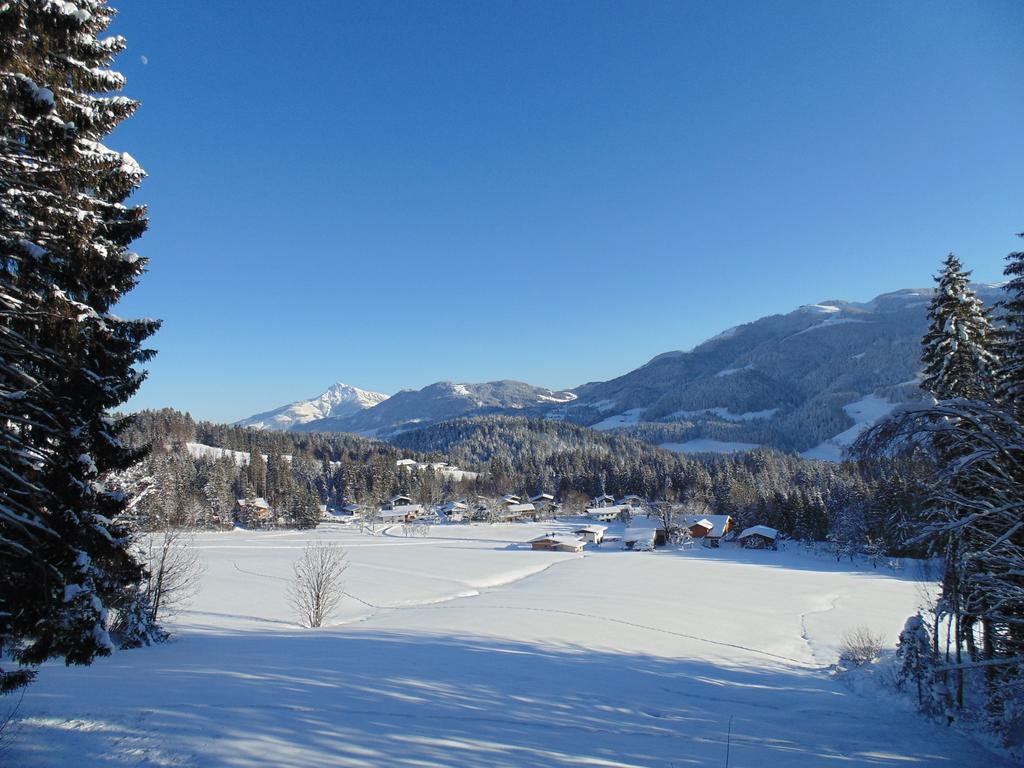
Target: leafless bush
x=317, y=588
x=9, y=723
x=174, y=571
x=859, y=646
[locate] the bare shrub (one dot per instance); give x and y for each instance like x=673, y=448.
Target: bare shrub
x=174, y=571
x=859, y=646
x=317, y=588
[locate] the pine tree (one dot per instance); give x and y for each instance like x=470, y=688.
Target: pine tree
x=1010, y=389
x=958, y=361
x=65, y=359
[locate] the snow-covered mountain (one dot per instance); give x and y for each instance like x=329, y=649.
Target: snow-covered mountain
x=808, y=381
x=410, y=408
x=338, y=401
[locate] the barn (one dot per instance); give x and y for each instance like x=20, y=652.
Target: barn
x=758, y=537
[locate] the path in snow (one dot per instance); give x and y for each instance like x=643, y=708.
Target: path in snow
x=611, y=659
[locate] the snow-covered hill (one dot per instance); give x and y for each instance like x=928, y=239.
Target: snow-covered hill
x=807, y=381
x=338, y=401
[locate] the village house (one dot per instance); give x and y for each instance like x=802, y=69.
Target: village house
x=631, y=500
x=250, y=511
x=557, y=543
x=604, y=500
x=758, y=537
x=400, y=509
x=594, y=534
x=604, y=514
x=454, y=511
x=510, y=512
x=544, y=502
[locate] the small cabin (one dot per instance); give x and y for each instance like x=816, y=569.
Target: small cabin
x=604, y=500
x=758, y=537
x=700, y=528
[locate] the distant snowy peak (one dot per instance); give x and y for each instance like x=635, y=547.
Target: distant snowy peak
x=338, y=401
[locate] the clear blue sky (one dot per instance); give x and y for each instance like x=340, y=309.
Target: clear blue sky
x=391, y=194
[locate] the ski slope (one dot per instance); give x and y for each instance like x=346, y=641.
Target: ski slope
x=467, y=649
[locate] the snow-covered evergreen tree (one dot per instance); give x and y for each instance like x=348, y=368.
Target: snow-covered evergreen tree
x=1011, y=336
x=65, y=359
x=957, y=356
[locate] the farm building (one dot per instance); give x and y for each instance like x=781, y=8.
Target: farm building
x=721, y=525
x=592, y=533
x=758, y=537
x=557, y=543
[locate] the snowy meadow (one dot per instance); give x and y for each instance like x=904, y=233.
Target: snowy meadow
x=467, y=648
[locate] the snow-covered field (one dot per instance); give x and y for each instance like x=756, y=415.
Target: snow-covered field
x=466, y=649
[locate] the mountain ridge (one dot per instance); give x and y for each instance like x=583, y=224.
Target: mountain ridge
x=804, y=381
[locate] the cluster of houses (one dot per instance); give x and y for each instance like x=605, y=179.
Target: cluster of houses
x=642, y=532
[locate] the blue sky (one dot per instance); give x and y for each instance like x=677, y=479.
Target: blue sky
x=391, y=194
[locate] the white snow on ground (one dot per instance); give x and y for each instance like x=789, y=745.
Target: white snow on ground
x=865, y=412
x=467, y=649
x=726, y=414
x=830, y=322
x=200, y=451
x=623, y=419
x=704, y=445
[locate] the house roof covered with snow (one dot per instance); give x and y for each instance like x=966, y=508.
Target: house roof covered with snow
x=703, y=523
x=639, y=534
x=259, y=502
x=520, y=508
x=759, y=530
x=718, y=523
x=592, y=529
